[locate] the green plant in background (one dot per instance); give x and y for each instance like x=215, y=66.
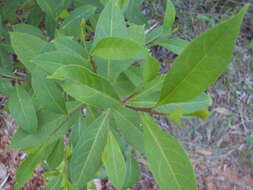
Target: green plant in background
x=90, y=70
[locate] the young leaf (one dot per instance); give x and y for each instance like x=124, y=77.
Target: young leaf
x=170, y=15
x=26, y=169
x=111, y=23
x=48, y=94
x=114, y=48
x=86, y=86
x=51, y=61
x=127, y=123
x=25, y=50
x=57, y=155
x=176, y=45
x=133, y=171
x=114, y=162
x=86, y=158
x=202, y=62
x=167, y=159
x=22, y=109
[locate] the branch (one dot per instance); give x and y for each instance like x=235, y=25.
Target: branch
x=13, y=78
x=146, y=110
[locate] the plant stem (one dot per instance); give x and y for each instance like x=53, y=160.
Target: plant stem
x=146, y=110
x=132, y=95
x=94, y=67
x=13, y=78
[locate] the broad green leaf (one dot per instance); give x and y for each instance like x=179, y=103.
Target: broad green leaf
x=50, y=25
x=48, y=94
x=51, y=127
x=95, y=3
x=26, y=169
x=127, y=122
x=66, y=44
x=86, y=86
x=167, y=159
x=200, y=102
x=56, y=156
x=35, y=16
x=86, y=158
x=151, y=68
x=51, y=61
x=133, y=171
x=124, y=86
x=28, y=29
x=111, y=69
x=202, y=62
x=49, y=7
x=71, y=25
x=114, y=48
x=135, y=75
x=176, y=45
x=25, y=50
x=169, y=17
x=22, y=109
x=133, y=12
x=110, y=23
x=114, y=162
x=136, y=33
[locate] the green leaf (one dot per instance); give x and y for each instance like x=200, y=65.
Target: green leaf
x=110, y=23
x=151, y=68
x=55, y=184
x=202, y=62
x=49, y=7
x=86, y=86
x=114, y=48
x=176, y=45
x=133, y=171
x=51, y=127
x=111, y=69
x=86, y=158
x=66, y=44
x=26, y=169
x=114, y=162
x=28, y=29
x=127, y=122
x=48, y=94
x=136, y=33
x=51, y=61
x=25, y=50
x=22, y=109
x=57, y=155
x=133, y=12
x=71, y=25
x=35, y=16
x=200, y=102
x=167, y=159
x=79, y=126
x=170, y=16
